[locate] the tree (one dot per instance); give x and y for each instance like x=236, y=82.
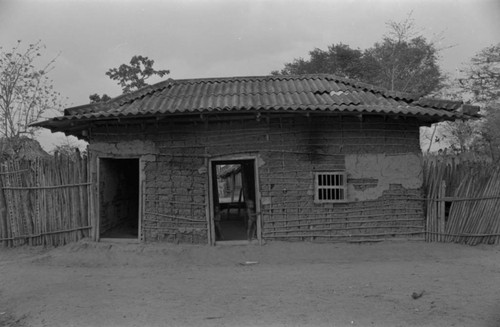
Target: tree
x=26, y=92
x=403, y=61
x=460, y=135
x=480, y=84
x=339, y=59
x=490, y=131
x=405, y=65
x=96, y=98
x=131, y=77
x=482, y=77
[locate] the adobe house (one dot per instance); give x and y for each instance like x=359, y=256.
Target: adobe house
x=322, y=158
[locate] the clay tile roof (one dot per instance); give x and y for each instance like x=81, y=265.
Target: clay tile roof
x=318, y=92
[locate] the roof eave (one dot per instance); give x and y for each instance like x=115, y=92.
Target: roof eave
x=75, y=124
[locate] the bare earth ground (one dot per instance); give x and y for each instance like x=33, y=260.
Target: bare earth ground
x=293, y=284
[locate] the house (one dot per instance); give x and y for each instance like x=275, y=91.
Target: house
x=322, y=158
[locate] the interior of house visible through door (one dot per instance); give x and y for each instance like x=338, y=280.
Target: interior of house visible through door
x=118, y=198
x=234, y=198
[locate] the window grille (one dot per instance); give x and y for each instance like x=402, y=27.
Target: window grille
x=330, y=187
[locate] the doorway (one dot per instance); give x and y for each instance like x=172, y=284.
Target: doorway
x=118, y=198
x=234, y=200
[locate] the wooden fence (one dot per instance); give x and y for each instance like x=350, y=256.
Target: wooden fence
x=44, y=202
x=463, y=202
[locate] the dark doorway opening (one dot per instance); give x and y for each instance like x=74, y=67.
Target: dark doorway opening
x=233, y=199
x=119, y=198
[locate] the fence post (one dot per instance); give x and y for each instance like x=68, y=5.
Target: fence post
x=3, y=215
x=441, y=211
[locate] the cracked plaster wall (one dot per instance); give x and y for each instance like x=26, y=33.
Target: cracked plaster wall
x=402, y=169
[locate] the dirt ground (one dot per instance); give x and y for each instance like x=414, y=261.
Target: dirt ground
x=278, y=284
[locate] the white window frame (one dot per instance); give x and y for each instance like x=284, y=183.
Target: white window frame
x=338, y=192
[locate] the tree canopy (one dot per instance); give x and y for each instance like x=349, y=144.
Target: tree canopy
x=131, y=77
x=94, y=98
x=482, y=76
x=403, y=61
x=480, y=84
x=339, y=59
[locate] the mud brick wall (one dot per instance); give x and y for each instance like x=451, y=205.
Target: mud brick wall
x=175, y=203
x=380, y=155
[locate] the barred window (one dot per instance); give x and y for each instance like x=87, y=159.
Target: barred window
x=330, y=187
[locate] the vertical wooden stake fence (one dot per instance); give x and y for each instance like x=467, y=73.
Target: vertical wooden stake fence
x=44, y=201
x=441, y=203
x=473, y=190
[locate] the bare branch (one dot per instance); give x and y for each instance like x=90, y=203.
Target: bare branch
x=26, y=92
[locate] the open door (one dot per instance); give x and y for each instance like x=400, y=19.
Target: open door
x=234, y=201
x=119, y=198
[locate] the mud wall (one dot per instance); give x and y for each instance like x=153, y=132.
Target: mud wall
x=380, y=155
x=111, y=207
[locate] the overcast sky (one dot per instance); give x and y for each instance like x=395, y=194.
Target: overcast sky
x=202, y=38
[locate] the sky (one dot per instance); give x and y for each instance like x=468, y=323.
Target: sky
x=222, y=38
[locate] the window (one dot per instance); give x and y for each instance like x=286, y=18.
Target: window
x=330, y=187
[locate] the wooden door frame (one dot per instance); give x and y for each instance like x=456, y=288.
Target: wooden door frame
x=210, y=209
x=141, y=175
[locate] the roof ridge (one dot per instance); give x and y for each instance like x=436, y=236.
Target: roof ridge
x=264, y=93
x=352, y=82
